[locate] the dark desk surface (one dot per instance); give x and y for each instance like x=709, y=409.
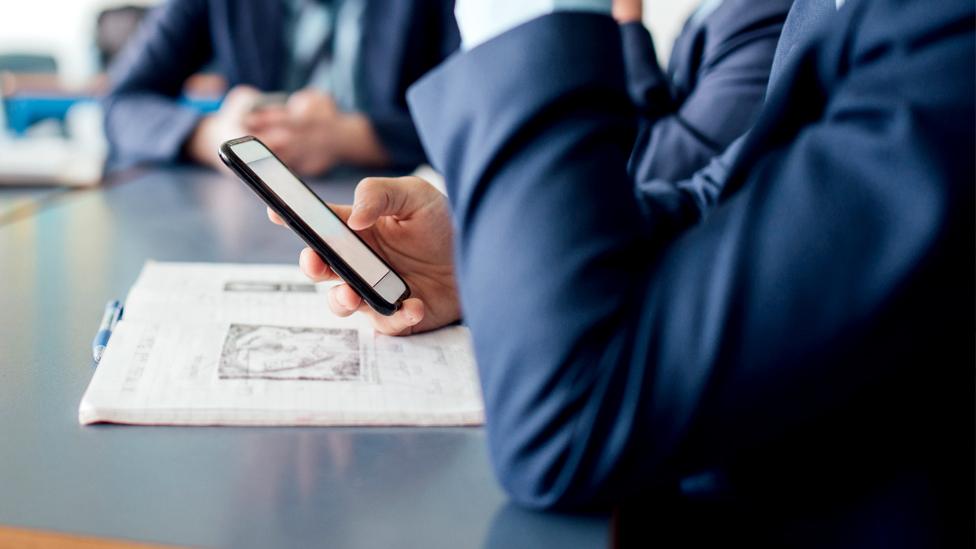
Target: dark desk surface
x=226, y=487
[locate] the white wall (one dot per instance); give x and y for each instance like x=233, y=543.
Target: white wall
x=665, y=19
x=65, y=28
x=62, y=27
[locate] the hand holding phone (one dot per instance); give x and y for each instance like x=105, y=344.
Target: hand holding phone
x=410, y=221
x=345, y=252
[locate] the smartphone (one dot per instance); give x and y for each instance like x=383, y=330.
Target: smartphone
x=267, y=100
x=351, y=258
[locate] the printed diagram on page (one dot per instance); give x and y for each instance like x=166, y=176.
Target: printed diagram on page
x=290, y=353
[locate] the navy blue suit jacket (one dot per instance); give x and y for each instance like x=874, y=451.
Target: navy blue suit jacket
x=712, y=92
x=242, y=40
x=803, y=357
x=674, y=202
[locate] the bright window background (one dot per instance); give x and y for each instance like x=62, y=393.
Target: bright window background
x=65, y=28
x=71, y=148
x=62, y=28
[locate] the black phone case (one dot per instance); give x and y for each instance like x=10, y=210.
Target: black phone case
x=341, y=268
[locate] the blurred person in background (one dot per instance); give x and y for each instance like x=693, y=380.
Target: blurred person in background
x=339, y=70
x=712, y=89
x=114, y=27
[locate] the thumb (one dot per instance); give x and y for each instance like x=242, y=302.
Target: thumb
x=385, y=196
x=342, y=211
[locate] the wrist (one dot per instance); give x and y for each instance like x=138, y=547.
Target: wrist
x=357, y=142
x=200, y=146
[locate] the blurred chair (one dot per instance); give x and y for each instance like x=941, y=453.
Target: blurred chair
x=28, y=63
x=19, y=70
x=114, y=28
x=31, y=97
x=56, y=130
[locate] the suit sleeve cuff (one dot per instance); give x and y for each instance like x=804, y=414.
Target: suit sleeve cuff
x=144, y=128
x=397, y=134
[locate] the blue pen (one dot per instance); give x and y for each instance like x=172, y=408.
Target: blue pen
x=113, y=313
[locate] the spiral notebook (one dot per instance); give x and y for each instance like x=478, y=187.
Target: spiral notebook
x=227, y=344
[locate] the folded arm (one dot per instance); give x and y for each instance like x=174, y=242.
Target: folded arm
x=725, y=73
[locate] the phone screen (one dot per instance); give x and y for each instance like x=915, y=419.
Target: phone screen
x=317, y=216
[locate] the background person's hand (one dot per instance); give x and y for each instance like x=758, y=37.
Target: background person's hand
x=311, y=135
x=408, y=223
x=226, y=123
x=628, y=11
x=303, y=132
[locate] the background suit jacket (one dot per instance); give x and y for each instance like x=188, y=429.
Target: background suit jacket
x=242, y=40
x=675, y=203
x=802, y=360
x=712, y=91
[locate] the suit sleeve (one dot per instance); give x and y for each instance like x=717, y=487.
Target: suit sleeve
x=438, y=34
x=680, y=133
x=614, y=359
x=143, y=120
x=673, y=206
x=647, y=83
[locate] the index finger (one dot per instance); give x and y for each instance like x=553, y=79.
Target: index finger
x=312, y=266
x=274, y=217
